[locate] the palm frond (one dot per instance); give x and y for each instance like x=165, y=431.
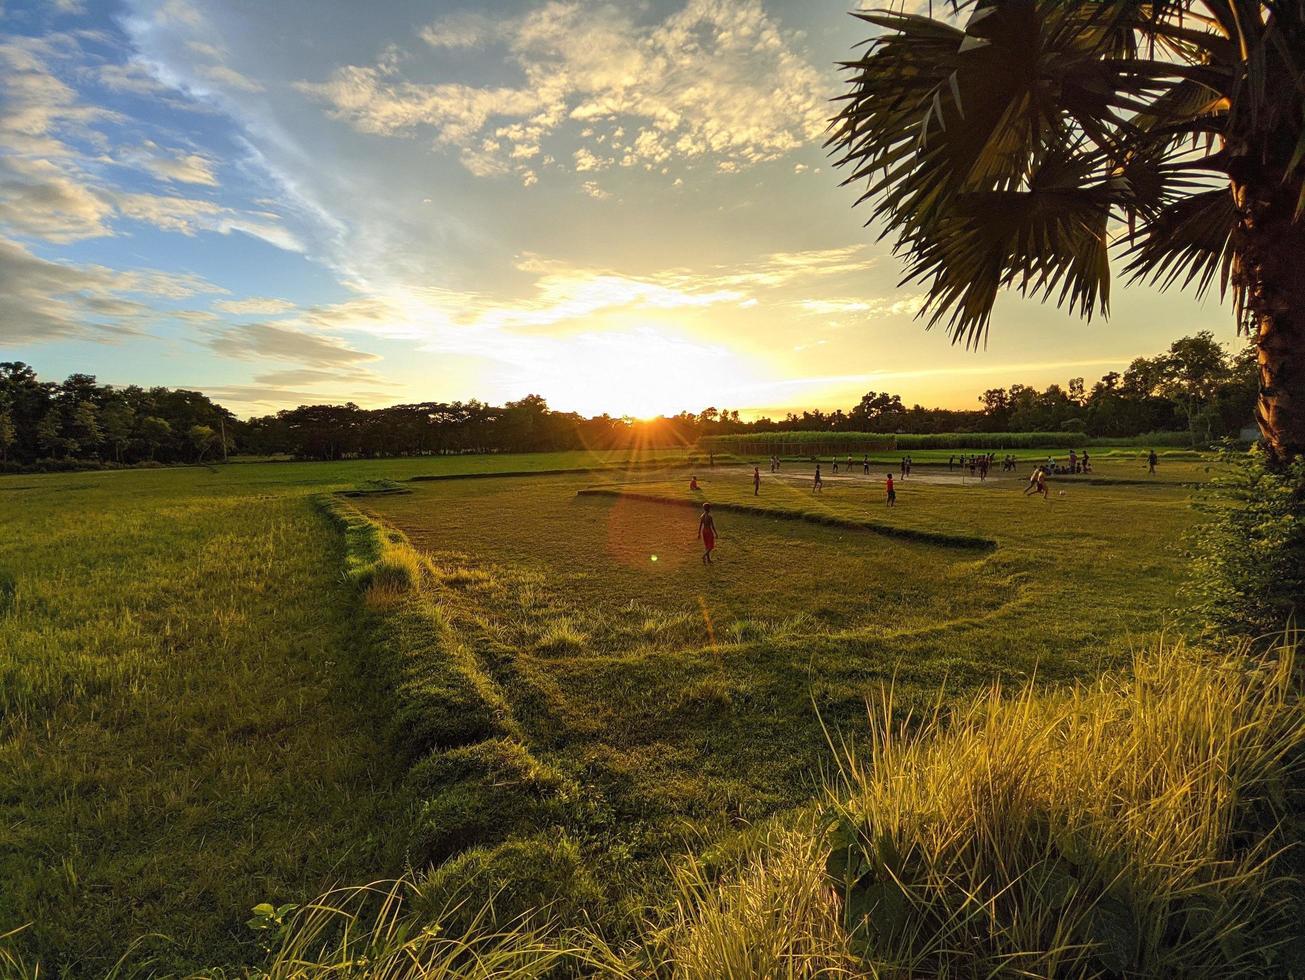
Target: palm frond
x=997, y=154
x=1187, y=240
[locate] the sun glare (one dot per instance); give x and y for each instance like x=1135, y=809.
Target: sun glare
x=646, y=372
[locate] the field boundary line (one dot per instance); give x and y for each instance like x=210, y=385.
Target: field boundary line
x=480, y=792
x=443, y=696
x=829, y=520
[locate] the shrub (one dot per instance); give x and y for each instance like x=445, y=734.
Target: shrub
x=1248, y=558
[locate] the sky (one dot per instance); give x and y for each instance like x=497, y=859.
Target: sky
x=622, y=207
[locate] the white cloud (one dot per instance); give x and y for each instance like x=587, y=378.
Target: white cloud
x=254, y=306
x=225, y=76
x=129, y=76
x=716, y=81
x=171, y=165
x=312, y=377
x=189, y=215
x=461, y=30
x=40, y=199
x=39, y=109
x=44, y=300
x=281, y=342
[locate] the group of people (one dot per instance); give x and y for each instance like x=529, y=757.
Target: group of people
x=980, y=464
x=865, y=464
x=818, y=483
x=1075, y=463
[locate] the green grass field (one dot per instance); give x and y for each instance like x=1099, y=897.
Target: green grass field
x=198, y=715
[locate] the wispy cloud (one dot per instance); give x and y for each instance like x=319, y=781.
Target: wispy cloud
x=274, y=340
x=254, y=306
x=44, y=300
x=170, y=165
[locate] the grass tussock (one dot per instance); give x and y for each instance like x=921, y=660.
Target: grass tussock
x=1122, y=828
x=370, y=931
x=481, y=794
x=777, y=917
x=379, y=561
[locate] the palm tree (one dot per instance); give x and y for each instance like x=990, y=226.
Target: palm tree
x=1020, y=143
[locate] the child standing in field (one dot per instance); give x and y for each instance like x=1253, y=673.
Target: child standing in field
x=835, y=464
x=707, y=533
x=890, y=494
x=865, y=465
x=1151, y=460
x=817, y=485
x=756, y=481
x=693, y=483
x=1038, y=484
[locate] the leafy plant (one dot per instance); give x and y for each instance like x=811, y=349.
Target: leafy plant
x=271, y=922
x=1248, y=558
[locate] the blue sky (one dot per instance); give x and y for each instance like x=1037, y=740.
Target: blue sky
x=623, y=207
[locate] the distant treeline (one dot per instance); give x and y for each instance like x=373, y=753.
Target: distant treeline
x=806, y=443
x=81, y=421
x=1194, y=387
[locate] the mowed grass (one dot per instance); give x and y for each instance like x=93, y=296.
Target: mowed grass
x=188, y=719
x=691, y=701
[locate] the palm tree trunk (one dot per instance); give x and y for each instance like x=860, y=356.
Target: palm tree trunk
x=1271, y=273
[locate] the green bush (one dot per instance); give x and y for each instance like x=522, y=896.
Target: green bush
x=801, y=443
x=1248, y=558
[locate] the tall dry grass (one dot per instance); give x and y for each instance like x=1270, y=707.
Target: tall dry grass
x=369, y=932
x=1124, y=827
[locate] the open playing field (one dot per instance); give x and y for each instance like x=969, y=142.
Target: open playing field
x=193, y=719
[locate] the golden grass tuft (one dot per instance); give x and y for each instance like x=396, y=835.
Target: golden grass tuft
x=777, y=917
x=1122, y=827
x=368, y=931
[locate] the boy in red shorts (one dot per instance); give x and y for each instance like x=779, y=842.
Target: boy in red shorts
x=707, y=532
